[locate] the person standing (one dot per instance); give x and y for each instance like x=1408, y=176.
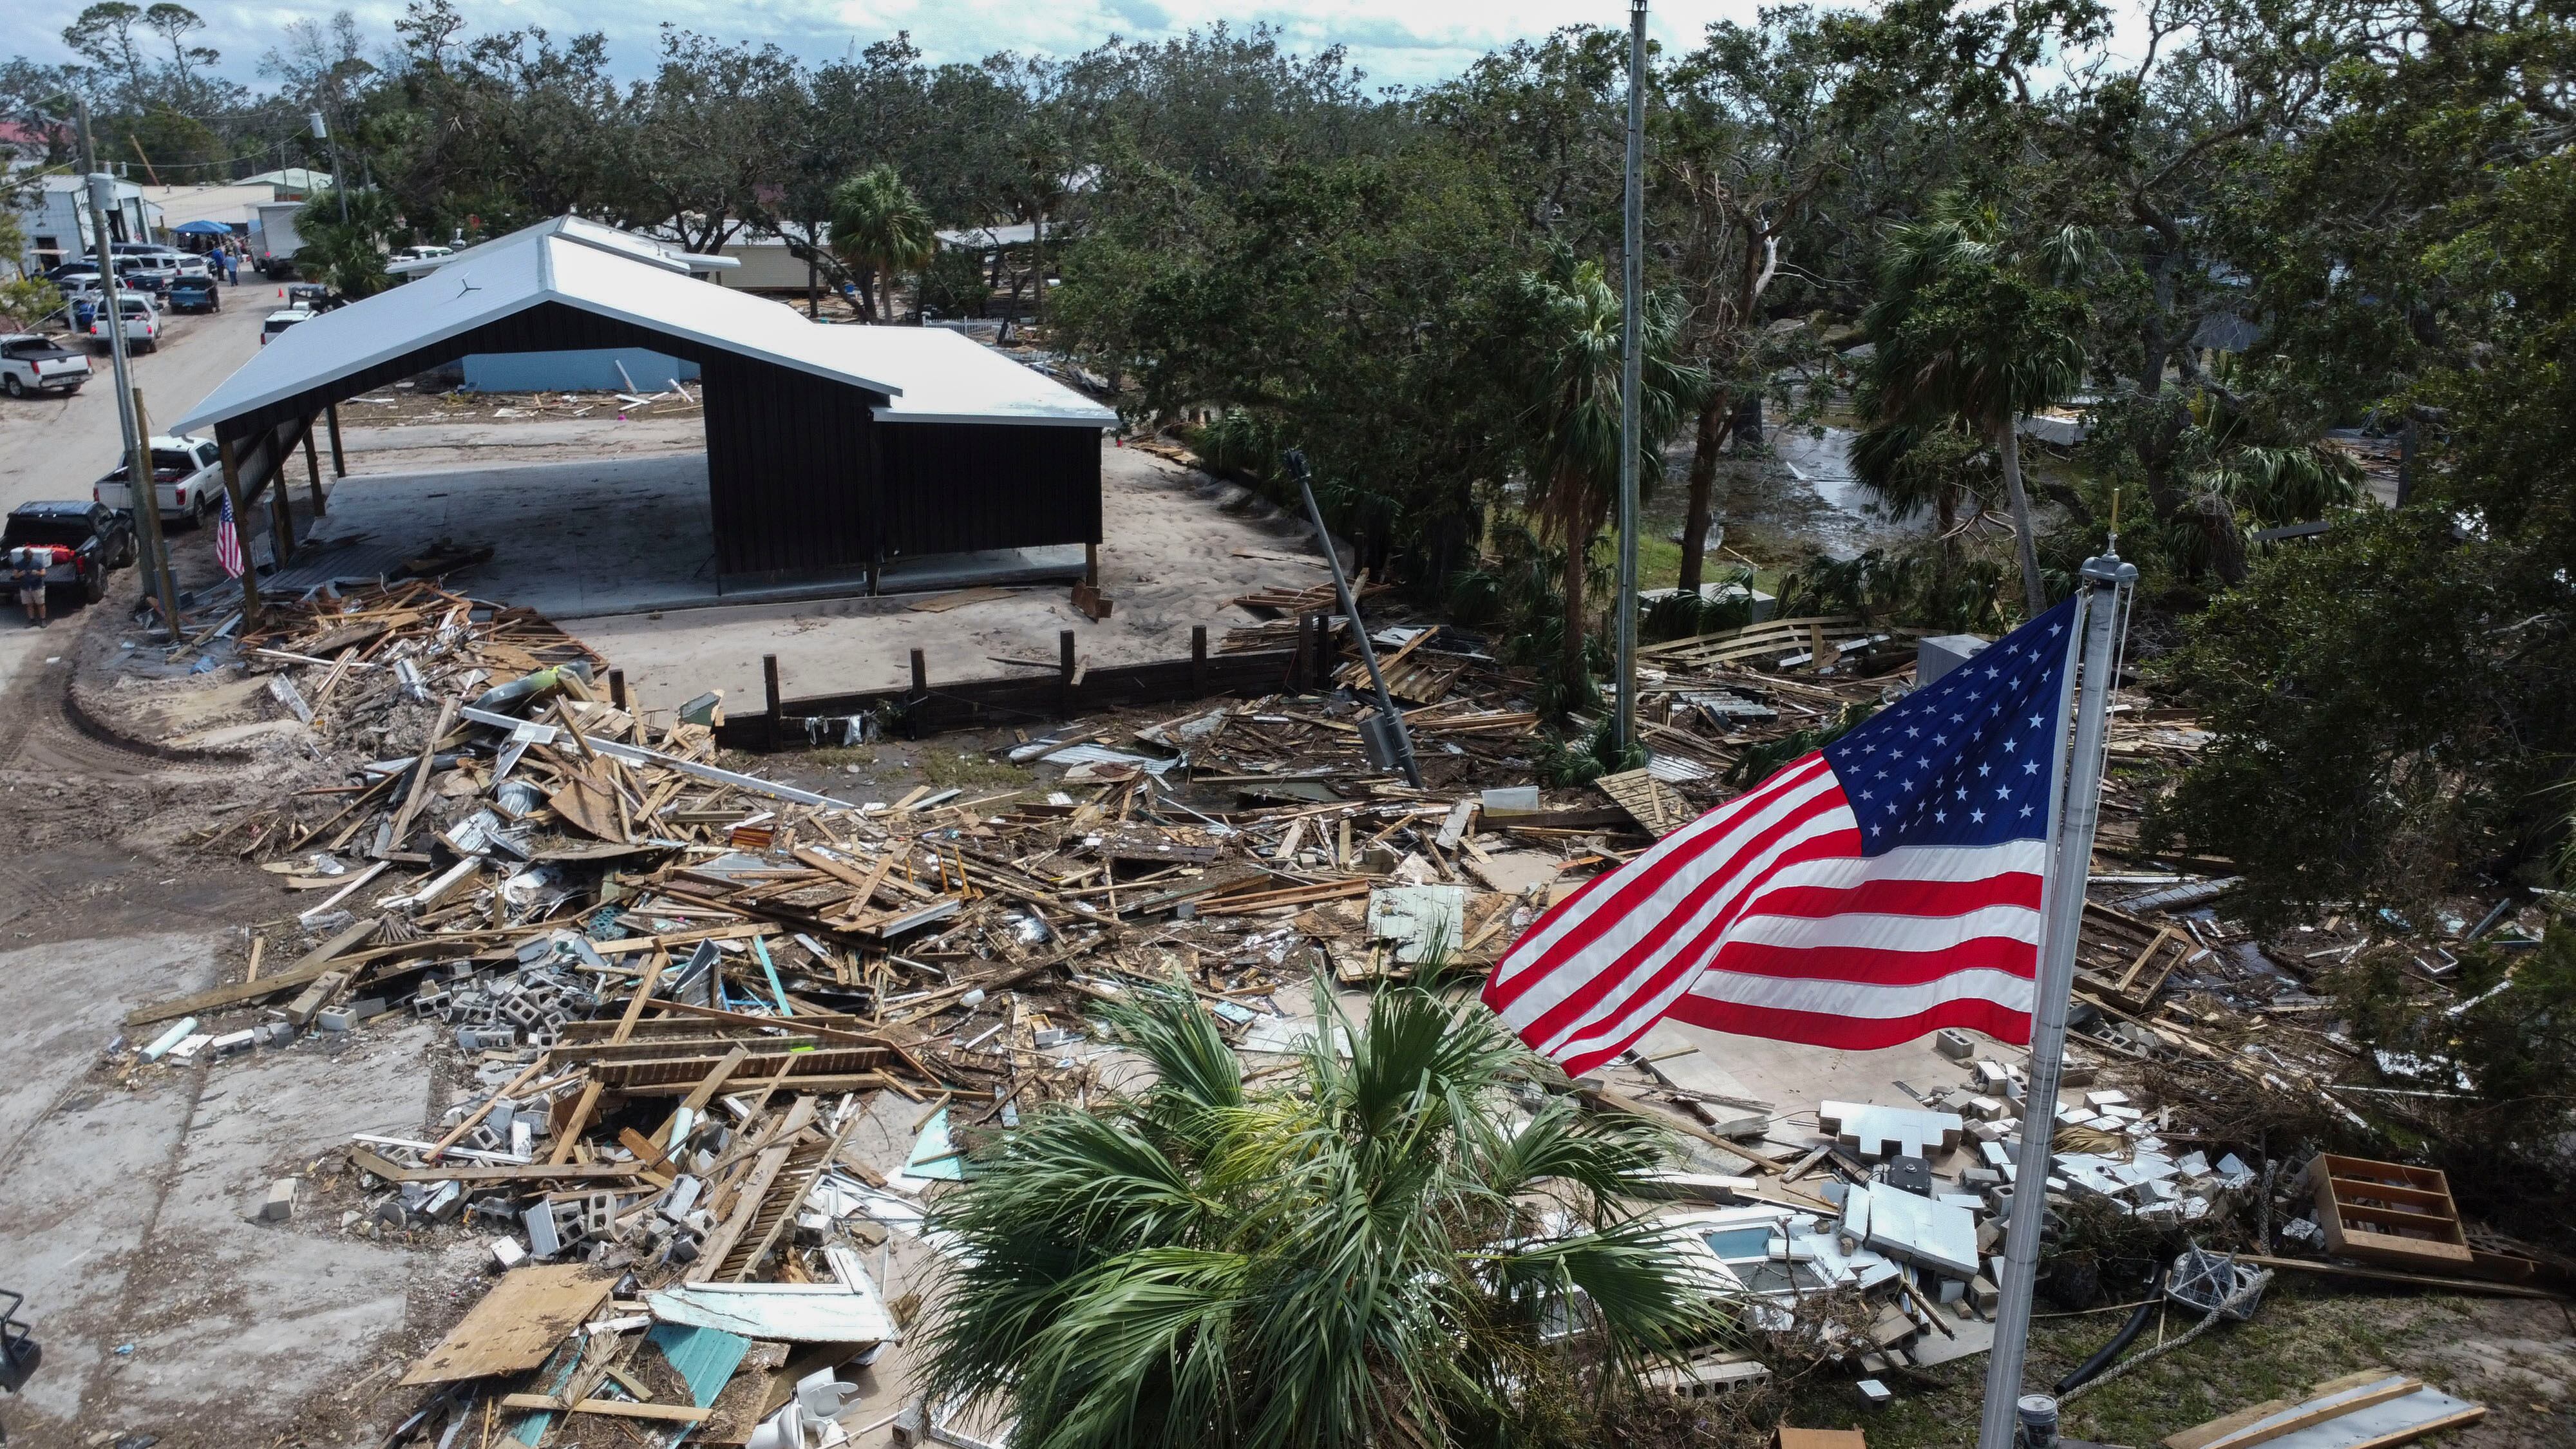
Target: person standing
x=27, y=565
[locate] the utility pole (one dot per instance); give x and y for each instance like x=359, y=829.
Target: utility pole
x=1630, y=369
x=339, y=183
x=138, y=447
x=2075, y=808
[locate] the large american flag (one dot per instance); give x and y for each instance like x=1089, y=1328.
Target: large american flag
x=1880, y=888
x=228, y=539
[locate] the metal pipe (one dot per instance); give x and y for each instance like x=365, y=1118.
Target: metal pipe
x=1631, y=369
x=1296, y=461
x=2155, y=1301
x=2075, y=807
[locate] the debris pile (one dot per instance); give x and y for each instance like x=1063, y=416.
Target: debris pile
x=672, y=994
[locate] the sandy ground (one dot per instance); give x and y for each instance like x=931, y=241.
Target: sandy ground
x=603, y=525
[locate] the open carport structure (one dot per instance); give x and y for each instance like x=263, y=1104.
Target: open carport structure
x=831, y=450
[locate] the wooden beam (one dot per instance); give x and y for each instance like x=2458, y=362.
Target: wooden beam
x=304, y=972
x=313, y=474
x=339, y=459
x=615, y=1408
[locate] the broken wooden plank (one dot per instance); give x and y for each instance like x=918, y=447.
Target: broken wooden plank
x=517, y=1325
x=306, y=968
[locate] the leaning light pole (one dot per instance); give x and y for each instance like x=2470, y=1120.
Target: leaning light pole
x=1631, y=369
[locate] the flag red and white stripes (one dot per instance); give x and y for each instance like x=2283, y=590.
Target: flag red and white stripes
x=1876, y=890
x=228, y=549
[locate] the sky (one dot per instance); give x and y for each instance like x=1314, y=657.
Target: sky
x=1407, y=43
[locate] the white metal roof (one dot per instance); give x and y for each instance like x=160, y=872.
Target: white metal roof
x=949, y=377
x=933, y=375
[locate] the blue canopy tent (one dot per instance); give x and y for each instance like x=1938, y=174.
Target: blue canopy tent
x=202, y=228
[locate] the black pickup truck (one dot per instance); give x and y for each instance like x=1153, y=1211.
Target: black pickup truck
x=99, y=537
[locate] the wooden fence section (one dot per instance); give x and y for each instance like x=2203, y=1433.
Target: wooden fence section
x=1071, y=689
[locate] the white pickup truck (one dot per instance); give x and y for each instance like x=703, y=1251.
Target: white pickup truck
x=30, y=364
x=142, y=325
x=187, y=479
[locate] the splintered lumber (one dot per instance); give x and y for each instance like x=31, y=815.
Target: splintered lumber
x=307, y=968
x=755, y=1189
x=1297, y=895
x=517, y=1325
x=368, y=1160
x=619, y=1408
x=1649, y=801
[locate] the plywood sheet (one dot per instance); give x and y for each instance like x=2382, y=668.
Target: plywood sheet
x=517, y=1324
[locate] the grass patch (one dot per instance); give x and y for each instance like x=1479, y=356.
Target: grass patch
x=2303, y=1333
x=833, y=757
x=950, y=770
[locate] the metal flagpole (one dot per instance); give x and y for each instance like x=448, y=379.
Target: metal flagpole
x=1630, y=367
x=2076, y=809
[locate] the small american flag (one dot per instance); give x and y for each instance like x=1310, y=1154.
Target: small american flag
x=1881, y=888
x=228, y=550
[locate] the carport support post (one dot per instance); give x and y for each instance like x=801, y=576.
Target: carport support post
x=1198, y=659
x=769, y=692
x=1064, y=668
x=920, y=675
x=1091, y=563
x=617, y=688
x=281, y=516
x=147, y=509
x=339, y=459
x=250, y=575
x=313, y=471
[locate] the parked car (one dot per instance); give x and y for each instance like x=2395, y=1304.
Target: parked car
x=150, y=272
x=423, y=253
x=195, y=294
x=81, y=297
x=280, y=320
x=99, y=538
x=142, y=324
x=187, y=478
x=33, y=364
x=311, y=296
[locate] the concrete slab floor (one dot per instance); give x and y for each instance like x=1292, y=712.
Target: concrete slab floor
x=618, y=547
x=124, y=1211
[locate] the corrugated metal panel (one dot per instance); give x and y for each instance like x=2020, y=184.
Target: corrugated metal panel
x=955, y=488
x=790, y=470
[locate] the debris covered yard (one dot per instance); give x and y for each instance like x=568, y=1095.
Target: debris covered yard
x=541, y=1067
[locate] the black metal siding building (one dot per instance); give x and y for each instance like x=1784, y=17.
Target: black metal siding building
x=820, y=458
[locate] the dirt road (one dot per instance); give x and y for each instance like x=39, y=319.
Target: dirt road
x=56, y=447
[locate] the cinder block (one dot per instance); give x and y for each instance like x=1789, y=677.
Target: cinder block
x=231, y=1043
x=508, y=1253
x=336, y=1018
x=1982, y=1294
x=280, y=1205
x=1953, y=1043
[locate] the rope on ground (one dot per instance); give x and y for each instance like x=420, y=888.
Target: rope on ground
x=2248, y=1290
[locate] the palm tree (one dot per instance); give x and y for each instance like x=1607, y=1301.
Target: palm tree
x=879, y=228
x=1965, y=332
x=1380, y=1251
x=1573, y=418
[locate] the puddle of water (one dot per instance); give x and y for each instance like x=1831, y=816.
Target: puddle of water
x=1807, y=492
